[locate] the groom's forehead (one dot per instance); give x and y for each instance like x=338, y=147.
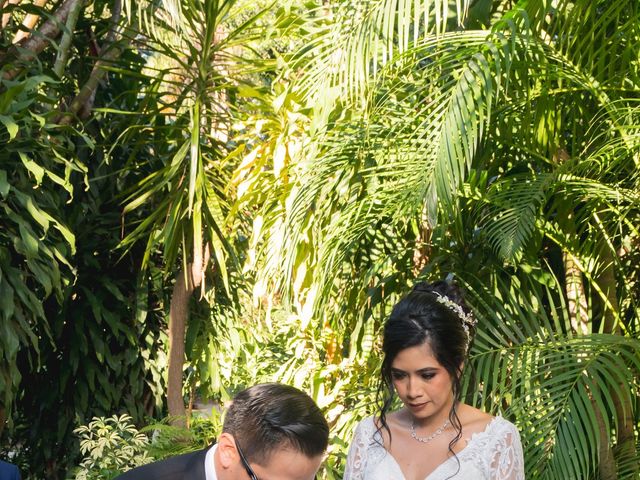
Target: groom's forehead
x=286, y=463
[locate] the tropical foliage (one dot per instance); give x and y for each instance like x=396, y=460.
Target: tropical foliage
x=110, y=446
x=199, y=195
x=506, y=156
x=80, y=338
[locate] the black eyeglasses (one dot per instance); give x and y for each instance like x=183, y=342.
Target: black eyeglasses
x=245, y=464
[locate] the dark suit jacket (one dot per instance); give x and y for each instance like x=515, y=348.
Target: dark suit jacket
x=8, y=471
x=189, y=466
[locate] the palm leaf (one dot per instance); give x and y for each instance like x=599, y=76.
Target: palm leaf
x=355, y=39
x=389, y=170
x=559, y=388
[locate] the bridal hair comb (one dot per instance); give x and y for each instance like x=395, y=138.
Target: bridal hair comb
x=466, y=319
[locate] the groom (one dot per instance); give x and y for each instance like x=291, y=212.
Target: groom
x=270, y=431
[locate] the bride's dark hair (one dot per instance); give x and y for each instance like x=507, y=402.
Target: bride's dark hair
x=422, y=317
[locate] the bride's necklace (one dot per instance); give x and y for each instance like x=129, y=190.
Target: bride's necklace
x=428, y=438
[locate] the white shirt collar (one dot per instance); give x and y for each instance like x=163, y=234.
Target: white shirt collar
x=209, y=467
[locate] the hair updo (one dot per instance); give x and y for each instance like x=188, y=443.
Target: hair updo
x=435, y=314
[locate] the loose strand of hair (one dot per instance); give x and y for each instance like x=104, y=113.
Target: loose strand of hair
x=457, y=425
x=384, y=399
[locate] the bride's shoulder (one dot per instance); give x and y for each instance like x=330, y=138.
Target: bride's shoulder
x=474, y=420
x=391, y=420
x=367, y=424
x=373, y=426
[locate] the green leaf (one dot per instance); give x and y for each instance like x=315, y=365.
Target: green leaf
x=38, y=215
x=4, y=184
x=37, y=171
x=29, y=241
x=7, y=305
x=12, y=127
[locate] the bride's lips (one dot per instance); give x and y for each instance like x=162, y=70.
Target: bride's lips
x=417, y=406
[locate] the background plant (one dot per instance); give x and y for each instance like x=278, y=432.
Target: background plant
x=329, y=155
x=110, y=446
x=474, y=154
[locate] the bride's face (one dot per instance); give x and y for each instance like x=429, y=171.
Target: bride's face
x=423, y=384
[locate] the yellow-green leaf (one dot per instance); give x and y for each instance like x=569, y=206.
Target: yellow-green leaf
x=12, y=127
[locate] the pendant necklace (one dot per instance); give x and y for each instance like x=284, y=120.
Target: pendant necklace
x=428, y=438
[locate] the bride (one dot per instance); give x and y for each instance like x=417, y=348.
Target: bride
x=433, y=436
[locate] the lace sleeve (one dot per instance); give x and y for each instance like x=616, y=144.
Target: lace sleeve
x=507, y=462
x=358, y=453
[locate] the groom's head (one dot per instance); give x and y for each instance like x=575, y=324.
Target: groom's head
x=272, y=431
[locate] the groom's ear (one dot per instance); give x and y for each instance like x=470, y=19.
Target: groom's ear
x=227, y=452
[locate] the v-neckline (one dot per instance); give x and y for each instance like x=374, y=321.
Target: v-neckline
x=441, y=465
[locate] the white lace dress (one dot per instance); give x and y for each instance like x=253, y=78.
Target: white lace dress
x=494, y=454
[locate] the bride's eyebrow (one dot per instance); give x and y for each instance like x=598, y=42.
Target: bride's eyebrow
x=421, y=370
x=397, y=370
x=427, y=370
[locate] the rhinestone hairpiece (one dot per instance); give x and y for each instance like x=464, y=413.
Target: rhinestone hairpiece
x=466, y=319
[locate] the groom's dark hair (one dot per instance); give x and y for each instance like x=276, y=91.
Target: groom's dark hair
x=273, y=416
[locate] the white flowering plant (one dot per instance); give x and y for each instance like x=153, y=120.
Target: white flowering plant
x=110, y=446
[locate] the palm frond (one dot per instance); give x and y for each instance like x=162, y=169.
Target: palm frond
x=513, y=207
x=560, y=389
x=361, y=37
x=391, y=170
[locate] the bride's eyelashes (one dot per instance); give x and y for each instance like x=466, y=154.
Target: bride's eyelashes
x=399, y=375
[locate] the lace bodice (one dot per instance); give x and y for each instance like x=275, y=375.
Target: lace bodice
x=494, y=454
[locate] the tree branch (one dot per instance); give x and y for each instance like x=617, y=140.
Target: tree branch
x=30, y=47
x=28, y=23
x=7, y=16
x=82, y=104
x=67, y=36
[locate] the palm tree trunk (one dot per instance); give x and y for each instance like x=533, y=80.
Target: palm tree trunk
x=623, y=404
x=574, y=287
x=577, y=302
x=606, y=461
x=178, y=315
x=580, y=324
x=576, y=297
x=577, y=305
x=421, y=250
x=186, y=283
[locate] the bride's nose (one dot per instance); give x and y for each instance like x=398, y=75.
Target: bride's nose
x=413, y=389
